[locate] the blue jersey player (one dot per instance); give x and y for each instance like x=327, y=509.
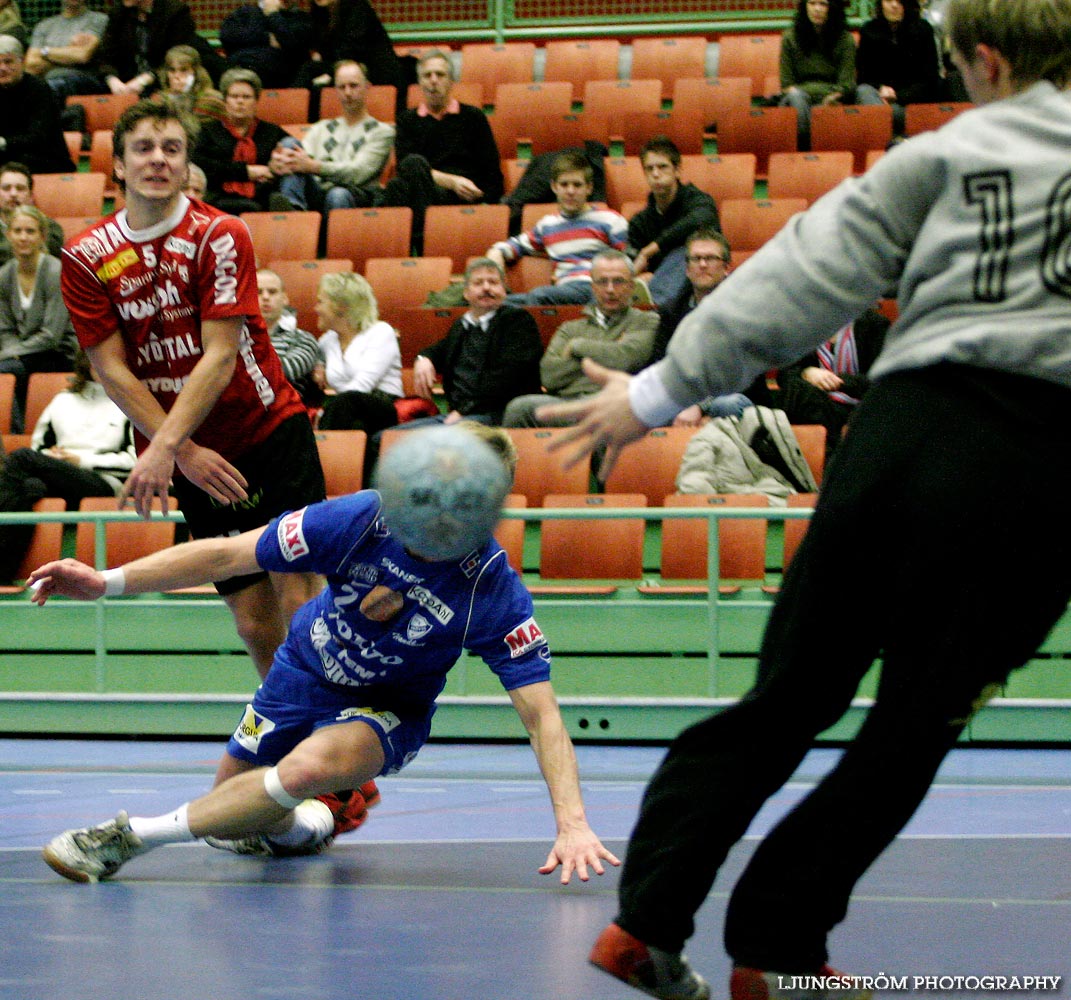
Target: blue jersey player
x=413, y=579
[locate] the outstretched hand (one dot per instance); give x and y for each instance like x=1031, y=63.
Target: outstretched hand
x=575, y=851
x=604, y=420
x=66, y=578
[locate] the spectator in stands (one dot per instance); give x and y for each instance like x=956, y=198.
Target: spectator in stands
x=351, y=29
x=570, y=237
x=817, y=62
x=611, y=332
x=63, y=50
x=446, y=152
x=240, y=153
x=196, y=183
x=272, y=38
x=897, y=62
x=338, y=161
x=35, y=329
x=11, y=21
x=674, y=210
x=82, y=447
x=363, y=362
x=299, y=354
x=16, y=188
x=137, y=38
x=825, y=386
x=488, y=356
x=30, y=129
x=707, y=262
x=185, y=85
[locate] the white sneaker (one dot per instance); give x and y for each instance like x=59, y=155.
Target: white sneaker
x=95, y=852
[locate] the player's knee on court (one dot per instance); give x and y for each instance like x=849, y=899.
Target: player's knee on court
x=334, y=757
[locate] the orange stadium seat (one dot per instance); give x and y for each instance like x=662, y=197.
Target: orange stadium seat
x=634, y=128
x=490, y=65
x=731, y=175
x=669, y=60
x=761, y=131
x=380, y=101
x=124, y=540
x=711, y=98
x=607, y=97
x=807, y=175
x=285, y=106
x=748, y=224
x=590, y=549
x=283, y=235
x=401, y=282
x=582, y=60
x=69, y=194
x=757, y=57
x=650, y=464
x=7, y=397
x=857, y=128
x=103, y=110
x=926, y=117
x=540, y=471
x=46, y=543
x=40, y=389
x=342, y=459
x=625, y=180
x=360, y=233
x=463, y=231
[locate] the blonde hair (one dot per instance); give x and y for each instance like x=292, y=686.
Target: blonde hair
x=185, y=57
x=499, y=441
x=1033, y=35
x=353, y=296
x=33, y=212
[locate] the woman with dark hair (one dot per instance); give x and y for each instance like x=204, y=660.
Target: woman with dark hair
x=82, y=447
x=817, y=62
x=897, y=62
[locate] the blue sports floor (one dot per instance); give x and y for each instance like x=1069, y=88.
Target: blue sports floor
x=437, y=897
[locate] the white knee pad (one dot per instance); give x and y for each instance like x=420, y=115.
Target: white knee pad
x=274, y=787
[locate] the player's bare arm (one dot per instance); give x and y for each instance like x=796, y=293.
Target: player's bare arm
x=605, y=419
x=186, y=565
x=576, y=848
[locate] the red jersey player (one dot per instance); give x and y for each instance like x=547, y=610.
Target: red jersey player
x=163, y=296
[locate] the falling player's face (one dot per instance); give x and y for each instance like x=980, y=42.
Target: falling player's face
x=154, y=163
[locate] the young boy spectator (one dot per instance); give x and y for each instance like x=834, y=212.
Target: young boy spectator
x=570, y=237
x=673, y=212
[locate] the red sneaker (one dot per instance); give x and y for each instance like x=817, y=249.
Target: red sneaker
x=350, y=808
x=663, y=974
x=825, y=984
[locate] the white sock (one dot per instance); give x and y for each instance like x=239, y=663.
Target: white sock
x=171, y=828
x=312, y=823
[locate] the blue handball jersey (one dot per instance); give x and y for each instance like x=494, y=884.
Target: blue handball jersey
x=477, y=603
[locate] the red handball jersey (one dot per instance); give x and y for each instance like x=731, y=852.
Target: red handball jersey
x=155, y=287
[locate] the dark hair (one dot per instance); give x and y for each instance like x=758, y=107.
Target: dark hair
x=708, y=233
x=808, y=38
x=570, y=161
x=912, y=12
x=81, y=373
x=14, y=167
x=664, y=145
x=151, y=111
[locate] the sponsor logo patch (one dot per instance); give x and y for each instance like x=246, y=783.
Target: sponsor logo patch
x=524, y=638
x=417, y=628
x=387, y=721
x=292, y=542
x=252, y=729
x=430, y=603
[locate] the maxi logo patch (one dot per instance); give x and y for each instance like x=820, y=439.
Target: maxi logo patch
x=292, y=542
x=252, y=729
x=525, y=637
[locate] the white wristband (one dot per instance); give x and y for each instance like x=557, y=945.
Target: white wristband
x=114, y=582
